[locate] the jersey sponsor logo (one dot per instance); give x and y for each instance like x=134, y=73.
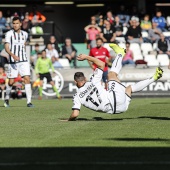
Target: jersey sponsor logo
x=59, y=83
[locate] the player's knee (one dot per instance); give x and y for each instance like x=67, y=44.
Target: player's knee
x=111, y=75
x=26, y=79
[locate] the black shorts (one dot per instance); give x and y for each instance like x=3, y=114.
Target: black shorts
x=47, y=76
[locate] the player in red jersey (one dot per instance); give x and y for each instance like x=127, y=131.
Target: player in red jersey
x=102, y=54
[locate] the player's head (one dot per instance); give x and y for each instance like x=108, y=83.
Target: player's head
x=1, y=69
x=16, y=21
x=79, y=79
x=99, y=42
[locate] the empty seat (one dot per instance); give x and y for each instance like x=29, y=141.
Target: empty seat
x=121, y=39
x=144, y=34
x=122, y=45
x=106, y=45
x=150, y=57
x=153, y=63
x=154, y=46
x=64, y=62
x=146, y=48
x=163, y=59
x=138, y=57
x=166, y=34
x=135, y=47
x=125, y=30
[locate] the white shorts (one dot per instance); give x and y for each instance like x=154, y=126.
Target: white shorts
x=22, y=68
x=117, y=96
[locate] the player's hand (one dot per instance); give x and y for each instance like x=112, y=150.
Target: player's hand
x=82, y=57
x=16, y=58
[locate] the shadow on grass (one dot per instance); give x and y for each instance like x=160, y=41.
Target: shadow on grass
x=160, y=102
x=118, y=119
x=155, y=117
x=85, y=158
x=140, y=139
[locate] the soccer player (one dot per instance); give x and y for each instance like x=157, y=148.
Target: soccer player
x=42, y=68
x=114, y=100
x=102, y=54
x=15, y=41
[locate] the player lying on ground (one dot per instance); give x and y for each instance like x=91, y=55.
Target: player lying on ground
x=114, y=100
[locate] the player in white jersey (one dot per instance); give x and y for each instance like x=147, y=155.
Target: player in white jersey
x=114, y=100
x=15, y=41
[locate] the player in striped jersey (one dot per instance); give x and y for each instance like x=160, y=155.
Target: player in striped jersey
x=116, y=98
x=15, y=41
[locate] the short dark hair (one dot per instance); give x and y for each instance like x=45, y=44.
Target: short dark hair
x=99, y=39
x=36, y=45
x=43, y=51
x=16, y=18
x=79, y=76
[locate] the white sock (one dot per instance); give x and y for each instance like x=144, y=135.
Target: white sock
x=117, y=64
x=142, y=84
x=8, y=91
x=28, y=92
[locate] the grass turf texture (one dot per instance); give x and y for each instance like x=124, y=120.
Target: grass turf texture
x=140, y=136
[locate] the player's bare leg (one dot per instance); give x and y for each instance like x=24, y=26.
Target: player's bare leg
x=142, y=84
x=28, y=91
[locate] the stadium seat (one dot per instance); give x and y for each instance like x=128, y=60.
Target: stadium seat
x=106, y=45
x=146, y=48
x=64, y=62
x=150, y=57
x=154, y=46
x=125, y=30
x=163, y=59
x=135, y=47
x=144, y=34
x=123, y=45
x=151, y=60
x=166, y=34
x=153, y=63
x=121, y=39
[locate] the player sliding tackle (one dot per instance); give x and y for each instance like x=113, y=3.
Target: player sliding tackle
x=114, y=100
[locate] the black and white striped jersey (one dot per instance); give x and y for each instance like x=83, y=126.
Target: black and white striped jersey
x=17, y=44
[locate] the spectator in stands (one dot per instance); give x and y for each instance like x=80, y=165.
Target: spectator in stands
x=118, y=27
x=54, y=43
x=108, y=33
x=168, y=23
x=26, y=23
x=3, y=25
x=51, y=52
x=69, y=52
x=3, y=78
x=124, y=17
x=160, y=20
x=100, y=21
x=109, y=17
x=34, y=55
x=102, y=54
x=92, y=32
x=146, y=23
x=56, y=64
x=163, y=46
x=133, y=34
x=128, y=57
x=154, y=33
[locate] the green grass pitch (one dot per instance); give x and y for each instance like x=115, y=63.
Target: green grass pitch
x=140, y=136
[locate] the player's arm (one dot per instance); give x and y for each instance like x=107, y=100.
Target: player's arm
x=7, y=49
x=74, y=115
x=96, y=61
